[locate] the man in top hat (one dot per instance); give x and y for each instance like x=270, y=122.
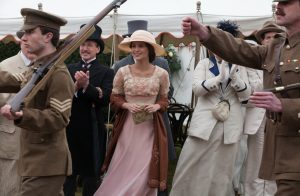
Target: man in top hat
x=255, y=124
x=45, y=159
x=86, y=132
x=9, y=133
x=280, y=63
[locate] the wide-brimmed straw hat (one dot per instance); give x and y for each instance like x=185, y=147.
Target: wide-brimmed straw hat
x=268, y=26
x=141, y=36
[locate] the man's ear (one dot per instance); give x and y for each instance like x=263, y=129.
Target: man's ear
x=49, y=36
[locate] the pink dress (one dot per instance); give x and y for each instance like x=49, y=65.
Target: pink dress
x=128, y=171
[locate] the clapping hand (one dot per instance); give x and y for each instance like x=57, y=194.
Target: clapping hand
x=213, y=84
x=82, y=79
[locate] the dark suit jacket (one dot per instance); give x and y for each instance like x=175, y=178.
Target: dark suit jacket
x=163, y=63
x=86, y=106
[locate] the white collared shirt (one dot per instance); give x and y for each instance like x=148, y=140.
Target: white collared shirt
x=25, y=59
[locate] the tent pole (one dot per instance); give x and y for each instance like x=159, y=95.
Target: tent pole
x=198, y=48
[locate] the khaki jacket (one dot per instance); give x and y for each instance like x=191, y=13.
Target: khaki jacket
x=9, y=133
x=281, y=155
x=44, y=149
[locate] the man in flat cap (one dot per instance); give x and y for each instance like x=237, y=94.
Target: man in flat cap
x=280, y=61
x=266, y=34
x=86, y=132
x=45, y=159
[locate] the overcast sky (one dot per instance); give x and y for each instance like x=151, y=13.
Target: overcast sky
x=73, y=8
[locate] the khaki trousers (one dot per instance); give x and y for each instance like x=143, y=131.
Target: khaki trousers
x=42, y=186
x=287, y=188
x=9, y=178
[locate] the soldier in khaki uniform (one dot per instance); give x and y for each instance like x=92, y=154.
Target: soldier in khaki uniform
x=44, y=155
x=255, y=125
x=280, y=61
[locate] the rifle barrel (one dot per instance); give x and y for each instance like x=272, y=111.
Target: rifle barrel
x=284, y=88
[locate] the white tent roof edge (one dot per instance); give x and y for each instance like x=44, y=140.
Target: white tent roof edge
x=156, y=23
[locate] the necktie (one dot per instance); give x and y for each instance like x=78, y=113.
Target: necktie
x=85, y=67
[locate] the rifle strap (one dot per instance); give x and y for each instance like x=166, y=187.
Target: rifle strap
x=40, y=84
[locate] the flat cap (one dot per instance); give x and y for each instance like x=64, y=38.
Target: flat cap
x=34, y=18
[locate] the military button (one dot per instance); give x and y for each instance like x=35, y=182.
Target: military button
x=265, y=65
x=42, y=139
x=298, y=131
x=297, y=68
x=281, y=63
x=288, y=47
x=298, y=115
x=275, y=83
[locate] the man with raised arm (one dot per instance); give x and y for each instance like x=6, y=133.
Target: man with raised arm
x=280, y=63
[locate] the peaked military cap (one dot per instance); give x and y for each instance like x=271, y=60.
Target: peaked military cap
x=34, y=18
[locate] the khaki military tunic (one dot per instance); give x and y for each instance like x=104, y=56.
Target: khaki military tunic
x=281, y=156
x=44, y=149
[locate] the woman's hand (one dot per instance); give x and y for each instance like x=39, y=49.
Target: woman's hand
x=150, y=108
x=132, y=107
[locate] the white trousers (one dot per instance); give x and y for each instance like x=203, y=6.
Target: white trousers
x=253, y=185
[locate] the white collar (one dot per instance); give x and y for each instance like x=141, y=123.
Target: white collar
x=25, y=59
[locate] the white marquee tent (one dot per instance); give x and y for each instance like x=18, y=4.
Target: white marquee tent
x=156, y=23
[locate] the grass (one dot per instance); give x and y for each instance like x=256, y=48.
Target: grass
x=172, y=167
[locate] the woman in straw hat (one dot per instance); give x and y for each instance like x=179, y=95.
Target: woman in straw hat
x=136, y=160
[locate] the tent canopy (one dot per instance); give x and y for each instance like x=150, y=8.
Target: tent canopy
x=156, y=23
x=166, y=28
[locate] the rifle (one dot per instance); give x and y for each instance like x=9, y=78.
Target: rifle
x=69, y=46
x=284, y=88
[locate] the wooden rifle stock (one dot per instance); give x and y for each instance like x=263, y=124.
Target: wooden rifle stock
x=69, y=46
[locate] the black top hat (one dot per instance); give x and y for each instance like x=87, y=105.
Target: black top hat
x=96, y=37
x=135, y=25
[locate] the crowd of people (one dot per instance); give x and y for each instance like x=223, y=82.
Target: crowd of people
x=243, y=138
